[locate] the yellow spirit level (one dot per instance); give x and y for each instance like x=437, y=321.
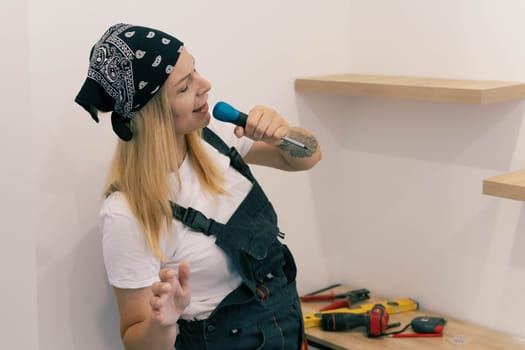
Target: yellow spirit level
x=392, y=307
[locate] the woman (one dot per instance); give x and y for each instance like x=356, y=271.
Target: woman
x=181, y=201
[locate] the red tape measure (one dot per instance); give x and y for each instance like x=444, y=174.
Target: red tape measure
x=378, y=321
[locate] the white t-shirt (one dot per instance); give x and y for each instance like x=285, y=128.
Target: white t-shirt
x=130, y=264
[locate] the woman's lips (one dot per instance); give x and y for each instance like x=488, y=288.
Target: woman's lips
x=203, y=109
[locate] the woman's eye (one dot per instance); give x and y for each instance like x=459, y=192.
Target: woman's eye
x=188, y=83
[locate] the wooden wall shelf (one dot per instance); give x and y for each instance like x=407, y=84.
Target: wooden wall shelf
x=511, y=185
x=415, y=88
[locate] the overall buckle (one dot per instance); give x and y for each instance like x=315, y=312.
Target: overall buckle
x=197, y=221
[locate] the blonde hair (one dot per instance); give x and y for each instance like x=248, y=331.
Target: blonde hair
x=140, y=169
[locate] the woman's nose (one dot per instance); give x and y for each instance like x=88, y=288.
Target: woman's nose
x=204, y=85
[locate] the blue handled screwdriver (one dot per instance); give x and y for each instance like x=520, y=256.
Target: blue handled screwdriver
x=227, y=113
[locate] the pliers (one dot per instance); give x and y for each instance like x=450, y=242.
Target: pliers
x=348, y=298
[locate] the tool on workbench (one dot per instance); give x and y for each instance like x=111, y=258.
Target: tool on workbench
x=392, y=306
x=423, y=326
x=376, y=324
x=349, y=298
x=337, y=305
x=375, y=321
x=324, y=289
x=426, y=324
x=416, y=335
x=352, y=296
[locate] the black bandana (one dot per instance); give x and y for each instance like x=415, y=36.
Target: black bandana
x=127, y=66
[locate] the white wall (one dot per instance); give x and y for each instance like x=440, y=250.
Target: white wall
x=414, y=221
x=395, y=206
x=18, y=301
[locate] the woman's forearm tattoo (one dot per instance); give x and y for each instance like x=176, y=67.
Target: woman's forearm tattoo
x=296, y=151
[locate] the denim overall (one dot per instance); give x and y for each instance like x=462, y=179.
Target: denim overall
x=264, y=311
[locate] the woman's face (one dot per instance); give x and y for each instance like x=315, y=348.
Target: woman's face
x=187, y=94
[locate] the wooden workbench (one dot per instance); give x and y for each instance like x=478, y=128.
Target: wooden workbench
x=457, y=335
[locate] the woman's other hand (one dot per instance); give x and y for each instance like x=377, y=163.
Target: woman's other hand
x=171, y=295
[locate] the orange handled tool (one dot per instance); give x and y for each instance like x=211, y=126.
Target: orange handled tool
x=336, y=305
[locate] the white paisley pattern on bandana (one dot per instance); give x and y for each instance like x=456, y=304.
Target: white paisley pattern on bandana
x=131, y=63
x=111, y=67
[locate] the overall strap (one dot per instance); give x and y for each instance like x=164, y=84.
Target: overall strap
x=214, y=140
x=194, y=218
x=236, y=160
